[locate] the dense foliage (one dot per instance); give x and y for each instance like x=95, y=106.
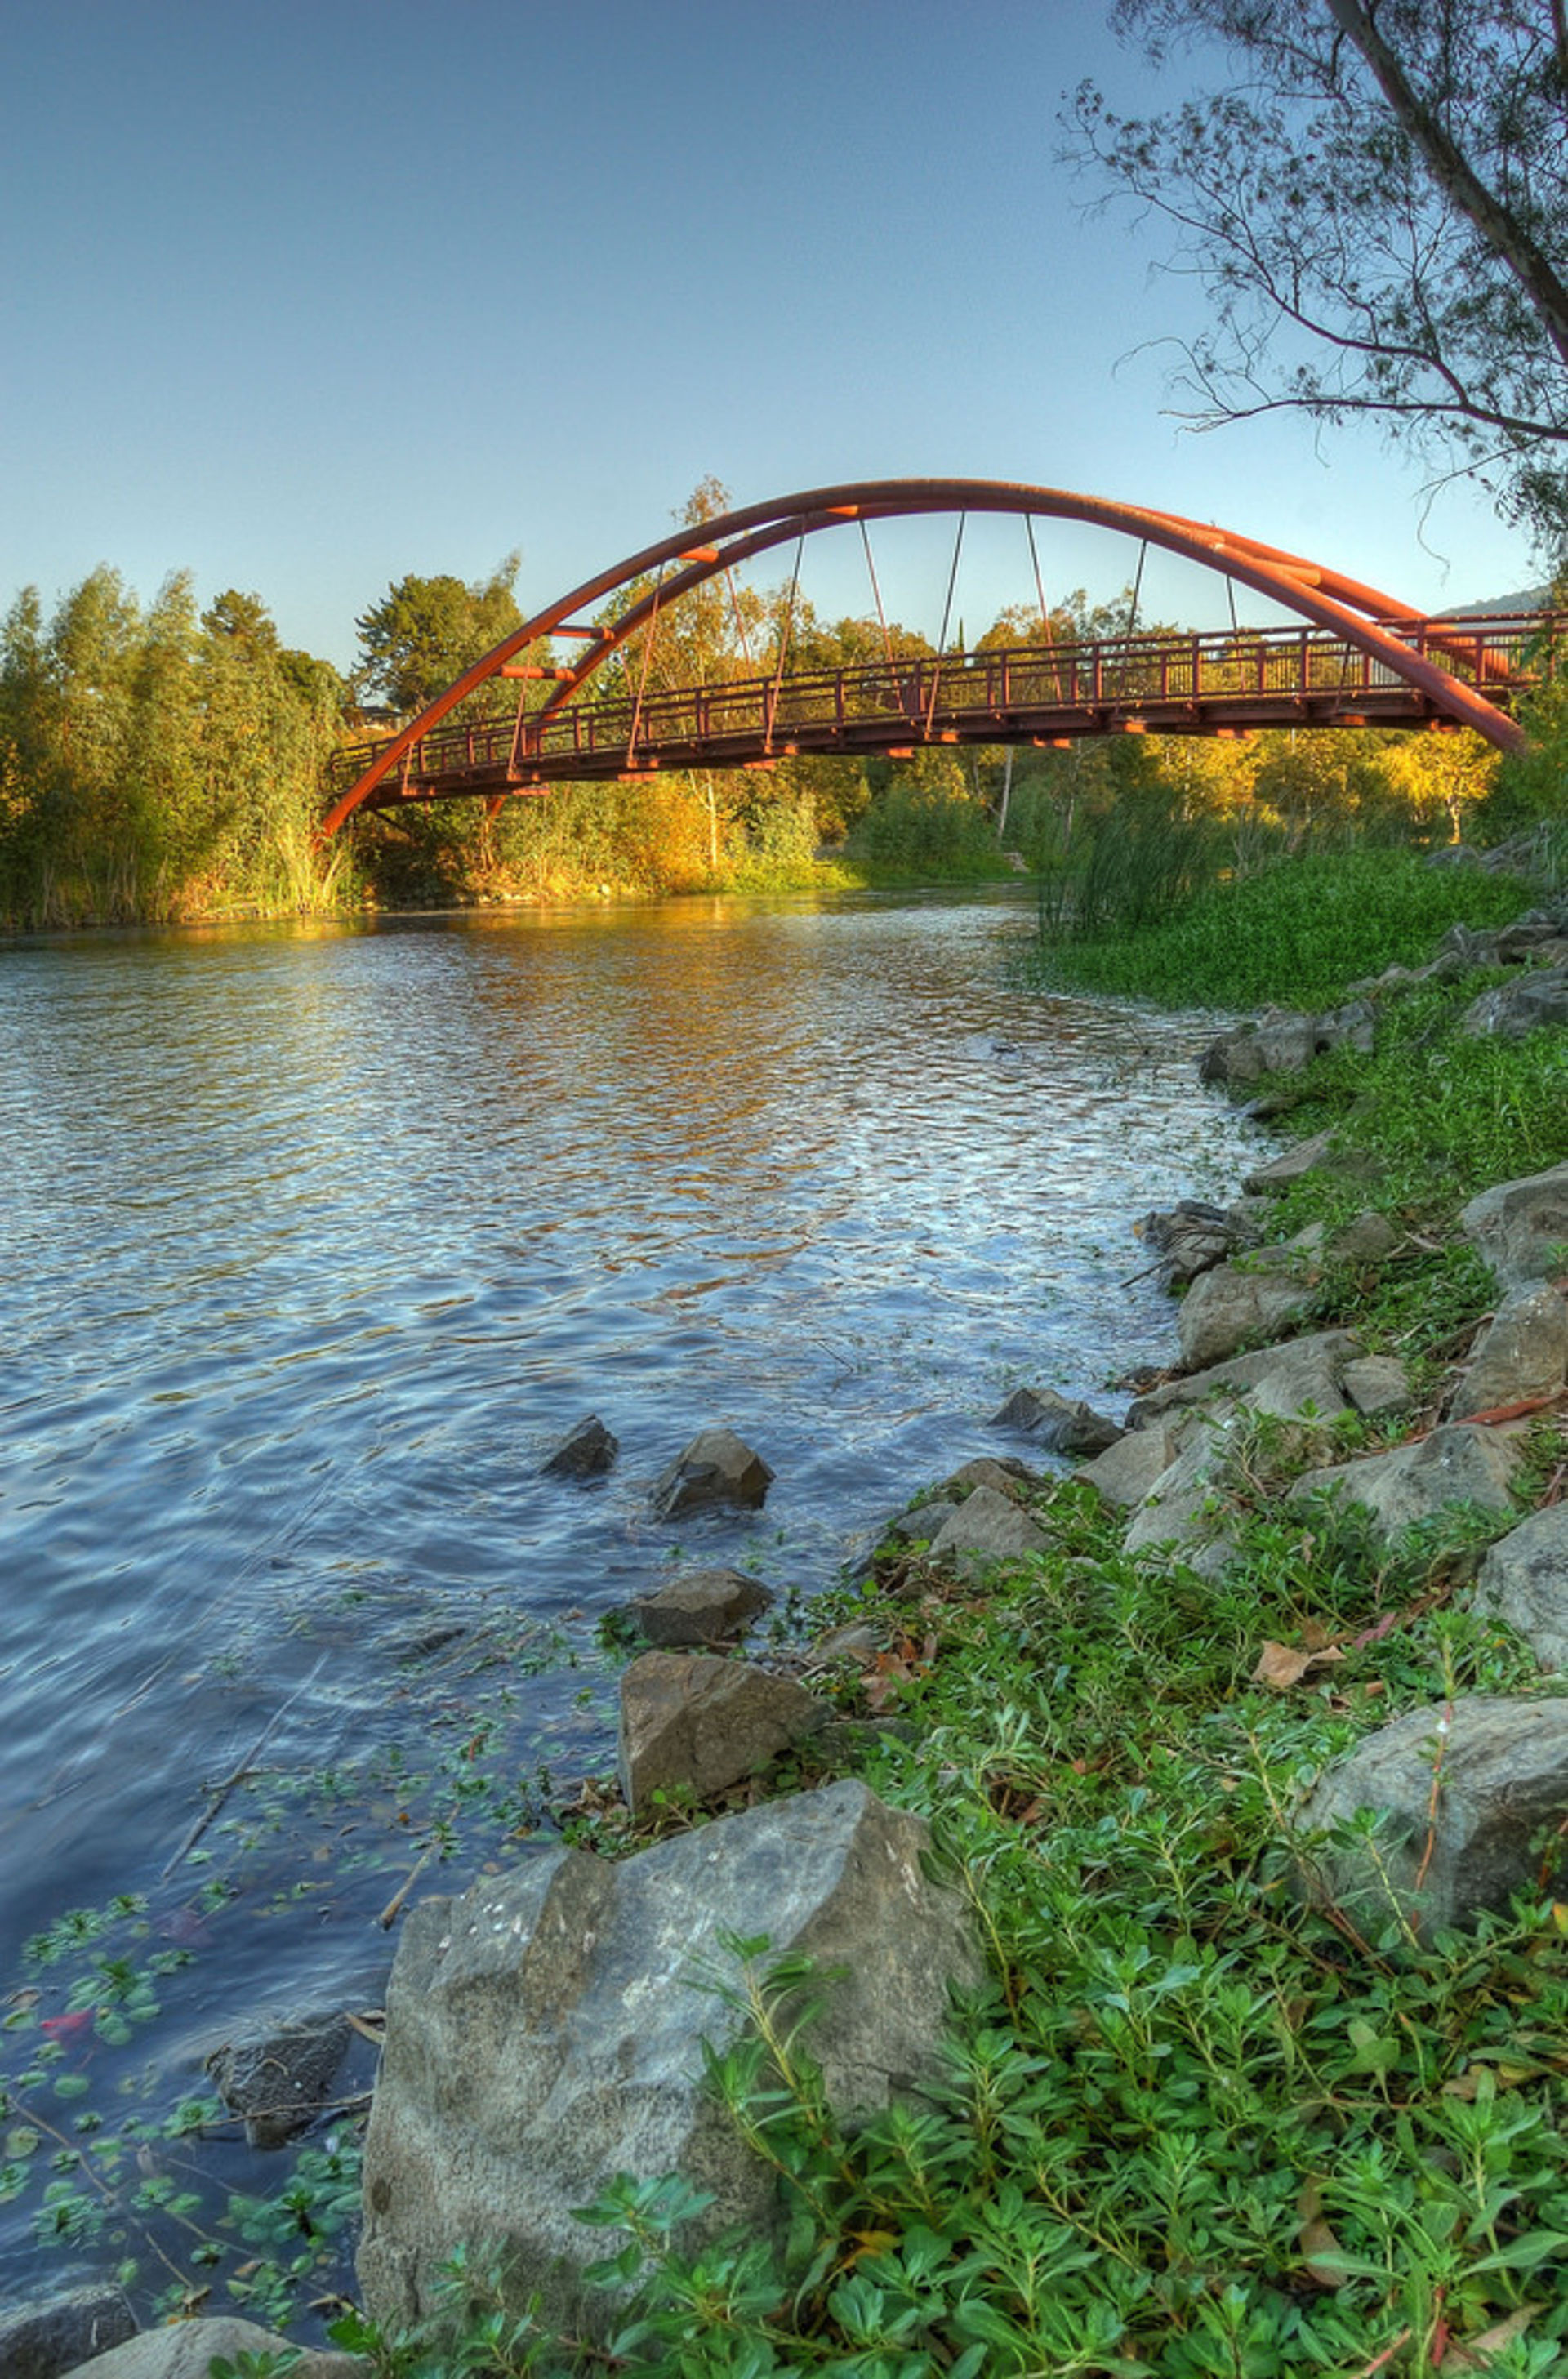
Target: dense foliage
x=154, y=763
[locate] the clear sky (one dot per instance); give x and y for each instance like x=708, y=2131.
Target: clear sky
x=304, y=296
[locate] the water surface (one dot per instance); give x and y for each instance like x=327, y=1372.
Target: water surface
x=319, y=1238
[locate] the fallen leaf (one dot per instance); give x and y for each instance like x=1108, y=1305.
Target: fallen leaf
x=1477, y=2352
x=1281, y=1667
x=1317, y=2242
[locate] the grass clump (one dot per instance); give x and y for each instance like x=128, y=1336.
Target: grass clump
x=1293, y=935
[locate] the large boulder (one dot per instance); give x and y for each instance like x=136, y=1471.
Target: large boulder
x=1525, y=1579
x=42, y=2339
x=699, y=1606
x=1521, y=1227
x=1522, y=1355
x=692, y=1722
x=1413, y=1482
x=1459, y=1792
x=186, y=2349
x=545, y=2033
x=717, y=1472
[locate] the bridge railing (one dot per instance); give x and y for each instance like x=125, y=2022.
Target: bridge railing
x=918, y=696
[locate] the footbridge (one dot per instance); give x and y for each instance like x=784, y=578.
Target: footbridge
x=1353, y=656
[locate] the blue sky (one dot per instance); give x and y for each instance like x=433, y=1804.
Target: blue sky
x=301, y=297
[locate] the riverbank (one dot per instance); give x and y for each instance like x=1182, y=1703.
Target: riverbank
x=1195, y=2126
x=1202, y=2123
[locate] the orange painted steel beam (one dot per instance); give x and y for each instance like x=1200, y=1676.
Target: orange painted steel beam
x=1327, y=597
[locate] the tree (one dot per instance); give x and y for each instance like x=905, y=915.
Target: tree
x=425, y=631
x=1378, y=209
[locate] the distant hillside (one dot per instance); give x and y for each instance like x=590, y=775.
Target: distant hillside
x=1531, y=598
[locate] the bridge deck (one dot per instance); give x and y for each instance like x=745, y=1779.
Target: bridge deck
x=1199, y=683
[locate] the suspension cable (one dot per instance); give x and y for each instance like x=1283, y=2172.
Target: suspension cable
x=898, y=681
x=739, y=621
x=1044, y=612
x=784, y=634
x=647, y=657
x=942, y=636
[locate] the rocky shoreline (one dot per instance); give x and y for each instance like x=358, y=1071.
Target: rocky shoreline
x=544, y=2030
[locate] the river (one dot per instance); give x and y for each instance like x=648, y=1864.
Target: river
x=319, y=1238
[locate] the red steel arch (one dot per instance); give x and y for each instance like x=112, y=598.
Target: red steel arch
x=1363, y=615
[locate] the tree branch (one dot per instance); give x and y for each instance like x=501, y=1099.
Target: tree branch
x=1493, y=220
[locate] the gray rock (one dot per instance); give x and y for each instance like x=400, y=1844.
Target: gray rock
x=280, y=2077
x=1367, y=1239
x=1377, y=1384
x=40, y=2342
x=717, y=1471
x=921, y=1522
x=585, y=1452
x=1525, y=1579
x=1003, y=1472
x=1280, y=1043
x=1522, y=1354
x=989, y=1527
x=1515, y=1009
x=1454, y=1464
x=692, y=1722
x=1335, y=1348
x=1075, y=1428
x=186, y=2349
x=1354, y=1026
x=1126, y=1471
x=1228, y=1308
x=1304, y=1385
x=1521, y=1227
x=1187, y=1509
x=1525, y=934
x=862, y=1639
x=545, y=2031
x=1500, y=1771
x=699, y=1606
x=1191, y=1238
x=1291, y=1165
x=1475, y=949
